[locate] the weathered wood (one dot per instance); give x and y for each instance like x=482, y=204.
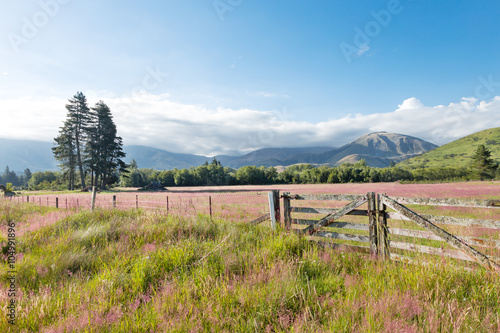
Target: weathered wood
x=466, y=222
x=432, y=250
x=330, y=197
x=332, y=217
x=475, y=241
x=94, y=192
x=372, y=222
x=341, y=247
x=383, y=238
x=272, y=210
x=276, y=199
x=114, y=201
x=260, y=219
x=286, y=211
x=336, y=235
x=57, y=202
x=311, y=210
x=344, y=225
x=449, y=238
x=449, y=202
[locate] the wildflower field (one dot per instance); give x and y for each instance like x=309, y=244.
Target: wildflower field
x=149, y=270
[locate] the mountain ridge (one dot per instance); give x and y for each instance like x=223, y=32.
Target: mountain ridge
x=379, y=149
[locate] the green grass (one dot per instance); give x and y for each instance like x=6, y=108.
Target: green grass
x=135, y=271
x=459, y=152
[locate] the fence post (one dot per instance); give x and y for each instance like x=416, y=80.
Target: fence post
x=137, y=201
x=167, y=204
x=372, y=218
x=114, y=201
x=276, y=202
x=286, y=210
x=383, y=240
x=57, y=202
x=94, y=192
x=210, y=204
x=28, y=198
x=47, y=201
x=272, y=210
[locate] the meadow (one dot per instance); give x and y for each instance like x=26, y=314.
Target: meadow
x=149, y=270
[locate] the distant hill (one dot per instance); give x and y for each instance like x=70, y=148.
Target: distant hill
x=147, y=157
x=458, y=152
x=26, y=154
x=378, y=149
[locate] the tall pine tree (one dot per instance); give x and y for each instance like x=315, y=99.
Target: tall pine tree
x=104, y=148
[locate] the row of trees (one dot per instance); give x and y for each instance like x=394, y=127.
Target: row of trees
x=360, y=172
x=88, y=144
x=10, y=176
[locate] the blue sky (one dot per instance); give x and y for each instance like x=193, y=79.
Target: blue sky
x=230, y=76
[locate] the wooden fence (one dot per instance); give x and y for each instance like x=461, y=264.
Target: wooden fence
x=384, y=226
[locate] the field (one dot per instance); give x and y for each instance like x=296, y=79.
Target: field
x=153, y=270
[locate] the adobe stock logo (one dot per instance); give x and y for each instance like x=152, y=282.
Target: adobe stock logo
x=373, y=28
x=30, y=27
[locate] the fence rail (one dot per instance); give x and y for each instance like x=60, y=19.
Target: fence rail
x=241, y=207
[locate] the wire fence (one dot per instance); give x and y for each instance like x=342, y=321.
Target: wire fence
x=228, y=206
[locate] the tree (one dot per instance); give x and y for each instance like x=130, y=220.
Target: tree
x=70, y=144
x=104, y=150
x=482, y=163
x=64, y=151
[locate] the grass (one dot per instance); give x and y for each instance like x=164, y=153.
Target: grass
x=458, y=152
x=137, y=271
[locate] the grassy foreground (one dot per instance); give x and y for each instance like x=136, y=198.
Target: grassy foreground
x=135, y=271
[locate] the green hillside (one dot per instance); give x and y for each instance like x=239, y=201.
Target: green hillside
x=458, y=152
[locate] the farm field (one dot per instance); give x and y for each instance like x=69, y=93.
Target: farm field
x=149, y=270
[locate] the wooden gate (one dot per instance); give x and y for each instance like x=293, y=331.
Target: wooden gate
x=320, y=230
x=374, y=233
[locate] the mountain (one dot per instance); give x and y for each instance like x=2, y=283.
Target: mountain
x=147, y=157
x=26, y=154
x=275, y=156
x=458, y=152
x=378, y=149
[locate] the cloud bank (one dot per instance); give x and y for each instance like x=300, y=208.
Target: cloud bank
x=157, y=121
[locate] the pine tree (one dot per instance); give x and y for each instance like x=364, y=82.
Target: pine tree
x=79, y=124
x=482, y=163
x=104, y=147
x=65, y=152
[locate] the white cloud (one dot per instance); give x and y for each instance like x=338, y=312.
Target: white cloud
x=156, y=120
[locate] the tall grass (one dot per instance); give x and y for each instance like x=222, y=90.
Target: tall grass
x=137, y=271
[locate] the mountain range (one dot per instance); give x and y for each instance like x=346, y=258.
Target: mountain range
x=378, y=149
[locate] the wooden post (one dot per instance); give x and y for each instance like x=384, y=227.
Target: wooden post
x=167, y=204
x=66, y=203
x=272, y=210
x=94, y=192
x=114, y=201
x=136, y=201
x=47, y=201
x=286, y=210
x=383, y=238
x=277, y=212
x=57, y=202
x=28, y=198
x=40, y=201
x=210, y=204
x=372, y=218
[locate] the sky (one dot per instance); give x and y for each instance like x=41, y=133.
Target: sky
x=215, y=77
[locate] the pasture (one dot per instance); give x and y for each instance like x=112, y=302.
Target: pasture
x=153, y=270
